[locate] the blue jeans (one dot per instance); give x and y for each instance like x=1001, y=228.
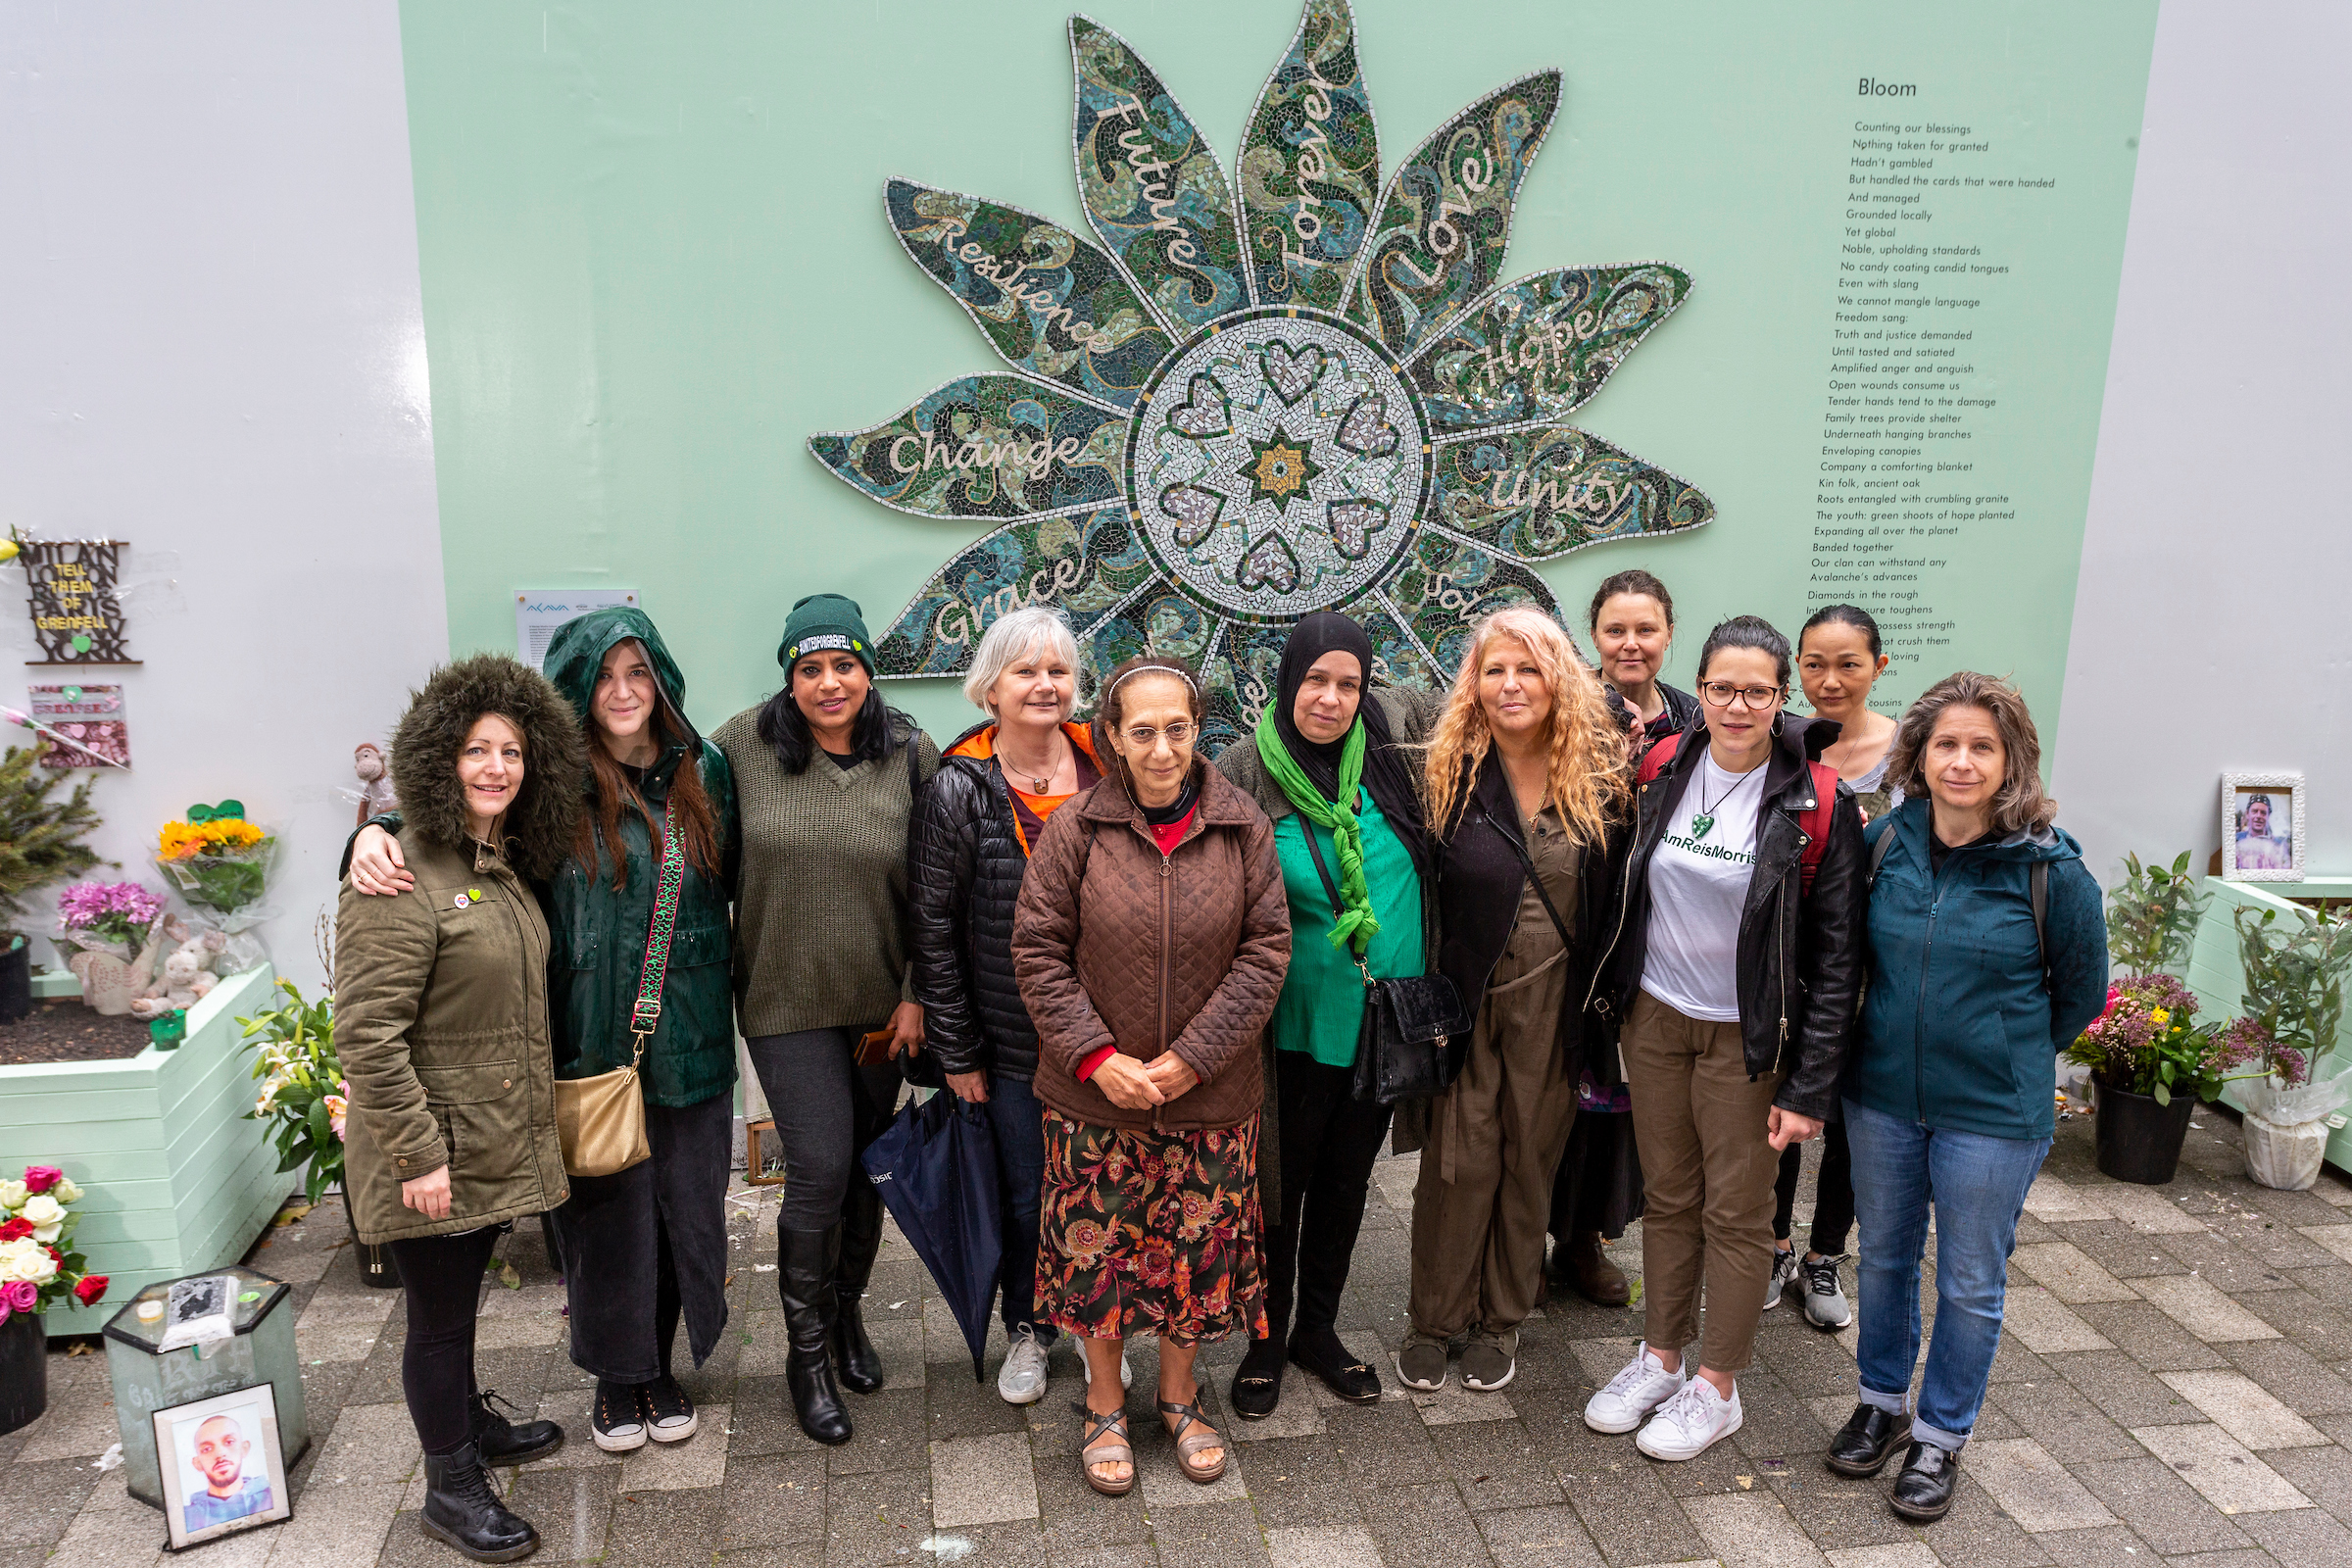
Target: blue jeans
x=1018, y=1122
x=1978, y=1188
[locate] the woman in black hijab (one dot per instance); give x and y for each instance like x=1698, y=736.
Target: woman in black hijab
x=1326, y=766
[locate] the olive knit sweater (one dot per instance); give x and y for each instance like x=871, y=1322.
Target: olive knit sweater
x=820, y=930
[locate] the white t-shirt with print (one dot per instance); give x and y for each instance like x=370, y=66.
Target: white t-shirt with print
x=1699, y=881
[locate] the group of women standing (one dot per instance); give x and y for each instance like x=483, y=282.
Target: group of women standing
x=1655, y=910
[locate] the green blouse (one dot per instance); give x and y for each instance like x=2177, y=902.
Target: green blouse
x=1321, y=1007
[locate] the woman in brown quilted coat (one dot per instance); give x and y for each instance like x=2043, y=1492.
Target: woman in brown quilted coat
x=1150, y=941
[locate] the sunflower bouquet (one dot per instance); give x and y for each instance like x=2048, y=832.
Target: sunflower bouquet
x=216, y=857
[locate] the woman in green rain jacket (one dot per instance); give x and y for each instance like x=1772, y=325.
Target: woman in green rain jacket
x=647, y=1244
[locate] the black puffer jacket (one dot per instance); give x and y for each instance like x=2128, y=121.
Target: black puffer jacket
x=966, y=865
x=1802, y=955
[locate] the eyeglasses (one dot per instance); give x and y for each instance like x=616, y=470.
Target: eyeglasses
x=1723, y=694
x=1143, y=737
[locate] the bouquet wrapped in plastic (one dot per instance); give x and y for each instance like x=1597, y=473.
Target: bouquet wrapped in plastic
x=111, y=917
x=219, y=863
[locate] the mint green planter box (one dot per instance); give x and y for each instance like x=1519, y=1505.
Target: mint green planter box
x=2220, y=980
x=176, y=1180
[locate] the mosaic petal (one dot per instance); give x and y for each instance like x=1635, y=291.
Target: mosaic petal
x=1542, y=347
x=1309, y=165
x=1153, y=187
x=1448, y=584
x=1446, y=215
x=1053, y=304
x=984, y=446
x=1534, y=494
x=1158, y=621
x=1239, y=681
x=1089, y=565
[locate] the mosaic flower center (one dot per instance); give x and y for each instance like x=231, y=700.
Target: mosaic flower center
x=1277, y=464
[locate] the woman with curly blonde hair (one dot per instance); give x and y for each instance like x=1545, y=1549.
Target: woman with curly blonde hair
x=1527, y=787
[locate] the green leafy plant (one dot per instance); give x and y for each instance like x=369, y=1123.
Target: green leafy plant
x=40, y=836
x=2153, y=915
x=2148, y=1042
x=301, y=1085
x=2295, y=974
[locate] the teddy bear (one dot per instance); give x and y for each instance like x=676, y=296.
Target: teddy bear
x=184, y=982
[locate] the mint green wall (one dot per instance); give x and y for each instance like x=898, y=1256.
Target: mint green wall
x=655, y=259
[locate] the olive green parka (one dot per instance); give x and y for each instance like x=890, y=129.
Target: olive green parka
x=441, y=1003
x=599, y=929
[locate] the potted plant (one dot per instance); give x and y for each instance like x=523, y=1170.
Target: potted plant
x=2294, y=1012
x=106, y=932
x=2152, y=1064
x=2153, y=915
x=38, y=1268
x=40, y=842
x=304, y=1092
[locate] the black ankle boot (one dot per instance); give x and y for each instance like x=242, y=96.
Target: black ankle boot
x=804, y=1279
x=1923, y=1490
x=461, y=1510
x=502, y=1442
x=854, y=1360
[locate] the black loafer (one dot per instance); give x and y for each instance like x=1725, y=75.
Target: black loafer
x=1322, y=1353
x=1257, y=1384
x=1867, y=1441
x=1924, y=1491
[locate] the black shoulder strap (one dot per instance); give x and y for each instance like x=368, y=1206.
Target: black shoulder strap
x=2039, y=879
x=1877, y=856
x=1528, y=862
x=1331, y=889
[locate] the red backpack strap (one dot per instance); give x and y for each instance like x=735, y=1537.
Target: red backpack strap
x=1658, y=757
x=1814, y=824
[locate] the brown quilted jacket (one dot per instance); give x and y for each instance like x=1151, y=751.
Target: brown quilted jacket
x=1115, y=944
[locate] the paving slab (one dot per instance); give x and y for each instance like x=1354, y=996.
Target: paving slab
x=2221, y=1468
x=2033, y=1487
x=2038, y=1319
x=2241, y=1406
x=1751, y=1530
x=2068, y=1273
x=980, y=1481
x=1347, y=1546
x=2194, y=1304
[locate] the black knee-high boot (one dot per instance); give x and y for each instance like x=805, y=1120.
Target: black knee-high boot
x=854, y=1360
x=805, y=1280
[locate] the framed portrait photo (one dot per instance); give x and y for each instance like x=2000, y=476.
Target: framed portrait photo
x=222, y=1466
x=2262, y=827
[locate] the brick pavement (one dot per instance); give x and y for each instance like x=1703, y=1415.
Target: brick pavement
x=2175, y=1384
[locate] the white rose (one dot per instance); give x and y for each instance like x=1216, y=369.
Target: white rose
x=64, y=1191
x=42, y=1210
x=12, y=1194
x=41, y=1268
x=8, y=1268
x=46, y=1235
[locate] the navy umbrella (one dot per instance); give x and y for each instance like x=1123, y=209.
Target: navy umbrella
x=936, y=1168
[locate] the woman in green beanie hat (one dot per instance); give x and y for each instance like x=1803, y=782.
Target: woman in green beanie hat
x=827, y=777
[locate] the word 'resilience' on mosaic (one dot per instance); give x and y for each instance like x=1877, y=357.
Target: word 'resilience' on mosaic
x=1034, y=457
x=1006, y=272
x=960, y=621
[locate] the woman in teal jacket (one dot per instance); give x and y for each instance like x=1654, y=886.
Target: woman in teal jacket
x=1988, y=955
x=647, y=1246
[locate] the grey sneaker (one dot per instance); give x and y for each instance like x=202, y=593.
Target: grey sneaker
x=1022, y=1378
x=1421, y=1362
x=1825, y=1298
x=1490, y=1359
x=1783, y=1269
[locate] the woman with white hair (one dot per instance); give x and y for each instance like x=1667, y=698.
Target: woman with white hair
x=978, y=822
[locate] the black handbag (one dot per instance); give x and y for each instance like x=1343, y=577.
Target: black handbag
x=1400, y=1051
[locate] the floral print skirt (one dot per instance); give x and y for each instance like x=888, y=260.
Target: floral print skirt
x=1151, y=1232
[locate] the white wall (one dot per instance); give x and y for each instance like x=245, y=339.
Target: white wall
x=215, y=349
x=2212, y=626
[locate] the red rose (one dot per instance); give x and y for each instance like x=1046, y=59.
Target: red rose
x=14, y=1228
x=89, y=1288
x=55, y=1256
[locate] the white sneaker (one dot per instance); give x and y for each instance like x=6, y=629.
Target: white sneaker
x=1634, y=1393
x=1690, y=1423
x=1022, y=1378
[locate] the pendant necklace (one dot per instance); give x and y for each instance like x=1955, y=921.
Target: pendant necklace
x=1704, y=821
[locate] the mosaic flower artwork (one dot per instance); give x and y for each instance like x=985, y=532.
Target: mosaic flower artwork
x=1243, y=400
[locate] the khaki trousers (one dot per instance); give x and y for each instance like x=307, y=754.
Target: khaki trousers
x=1483, y=1198
x=1707, y=1173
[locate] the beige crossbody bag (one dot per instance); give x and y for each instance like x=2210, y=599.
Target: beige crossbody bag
x=601, y=1120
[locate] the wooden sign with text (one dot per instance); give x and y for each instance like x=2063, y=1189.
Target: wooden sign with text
x=75, y=616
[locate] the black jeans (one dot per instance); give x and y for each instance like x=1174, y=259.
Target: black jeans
x=827, y=1108
x=1329, y=1141
x=1018, y=1122
x=1832, y=1193
x=644, y=1244
x=443, y=1277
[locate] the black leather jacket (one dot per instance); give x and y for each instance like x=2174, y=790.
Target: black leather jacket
x=965, y=870
x=1800, y=958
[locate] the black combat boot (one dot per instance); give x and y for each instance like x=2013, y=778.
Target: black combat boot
x=503, y=1441
x=463, y=1511
x=804, y=1279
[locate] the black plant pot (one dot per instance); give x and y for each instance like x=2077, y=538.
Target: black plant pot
x=16, y=981
x=2139, y=1140
x=23, y=1370
x=377, y=1267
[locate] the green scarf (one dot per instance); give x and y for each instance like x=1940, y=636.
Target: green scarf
x=1357, y=922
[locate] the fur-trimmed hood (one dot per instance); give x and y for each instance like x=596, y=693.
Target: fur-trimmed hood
x=424, y=753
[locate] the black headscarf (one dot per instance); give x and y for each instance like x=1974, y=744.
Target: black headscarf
x=1388, y=769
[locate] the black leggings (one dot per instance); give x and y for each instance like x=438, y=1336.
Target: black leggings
x=1832, y=1193
x=443, y=1277
x=827, y=1108
x=1329, y=1141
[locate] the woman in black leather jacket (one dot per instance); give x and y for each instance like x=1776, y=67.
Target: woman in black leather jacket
x=974, y=830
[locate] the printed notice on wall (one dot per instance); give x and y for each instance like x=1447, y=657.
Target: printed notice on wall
x=539, y=611
x=82, y=726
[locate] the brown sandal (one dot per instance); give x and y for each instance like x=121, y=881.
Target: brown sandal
x=1190, y=1443
x=1093, y=1423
